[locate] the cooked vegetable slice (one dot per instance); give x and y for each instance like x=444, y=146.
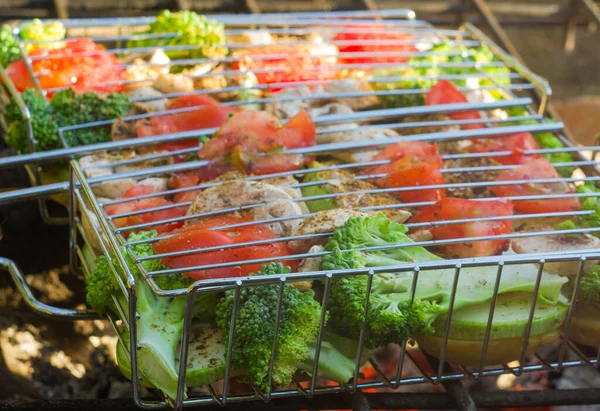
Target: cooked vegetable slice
x=538, y=168
x=449, y=209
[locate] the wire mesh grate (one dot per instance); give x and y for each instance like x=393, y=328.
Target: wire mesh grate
x=105, y=222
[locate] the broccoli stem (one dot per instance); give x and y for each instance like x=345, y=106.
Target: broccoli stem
x=337, y=359
x=333, y=365
x=159, y=332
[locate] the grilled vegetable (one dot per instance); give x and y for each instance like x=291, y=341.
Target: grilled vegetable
x=44, y=127
x=237, y=145
x=293, y=63
x=348, y=193
x=375, y=40
x=546, y=140
x=444, y=92
x=449, y=209
x=392, y=316
x=191, y=29
x=255, y=328
x=201, y=236
x=206, y=358
x=536, y=168
x=70, y=108
x=43, y=32
x=517, y=144
x=79, y=64
x=511, y=316
x=160, y=320
x=37, y=31
x=9, y=47
x=66, y=108
x=587, y=203
x=419, y=76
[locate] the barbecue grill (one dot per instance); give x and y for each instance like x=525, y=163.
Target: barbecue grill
x=525, y=90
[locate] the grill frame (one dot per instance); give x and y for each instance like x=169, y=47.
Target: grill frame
x=82, y=193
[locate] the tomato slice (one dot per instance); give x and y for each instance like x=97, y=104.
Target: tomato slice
x=156, y=216
x=228, y=256
x=444, y=92
x=192, y=100
x=236, y=144
x=80, y=64
x=458, y=209
x=190, y=240
x=272, y=163
x=260, y=131
x=214, y=222
x=516, y=143
x=373, y=40
x=184, y=180
x=199, y=237
x=420, y=175
x=281, y=64
x=413, y=150
x=537, y=168
x=209, y=114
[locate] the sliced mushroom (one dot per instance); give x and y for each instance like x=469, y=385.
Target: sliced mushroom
x=309, y=264
x=271, y=202
x=157, y=183
x=320, y=222
x=174, y=83
x=557, y=243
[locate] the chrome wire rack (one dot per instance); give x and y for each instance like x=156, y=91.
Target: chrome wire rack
x=92, y=224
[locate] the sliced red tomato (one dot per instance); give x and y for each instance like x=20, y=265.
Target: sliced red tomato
x=127, y=207
x=458, y=209
x=420, y=175
x=202, y=238
x=184, y=180
x=156, y=216
x=444, y=92
x=538, y=168
x=249, y=142
x=517, y=144
x=270, y=163
x=80, y=64
x=214, y=222
x=281, y=64
x=406, y=163
x=372, y=40
x=209, y=114
x=260, y=131
x=190, y=240
x=409, y=149
x=191, y=100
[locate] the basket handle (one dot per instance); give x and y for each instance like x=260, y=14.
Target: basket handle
x=35, y=304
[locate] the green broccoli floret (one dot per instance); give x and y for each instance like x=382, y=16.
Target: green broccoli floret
x=45, y=129
x=589, y=291
x=65, y=109
x=192, y=29
x=70, y=108
x=392, y=317
x=39, y=31
x=9, y=47
x=255, y=328
x=591, y=203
